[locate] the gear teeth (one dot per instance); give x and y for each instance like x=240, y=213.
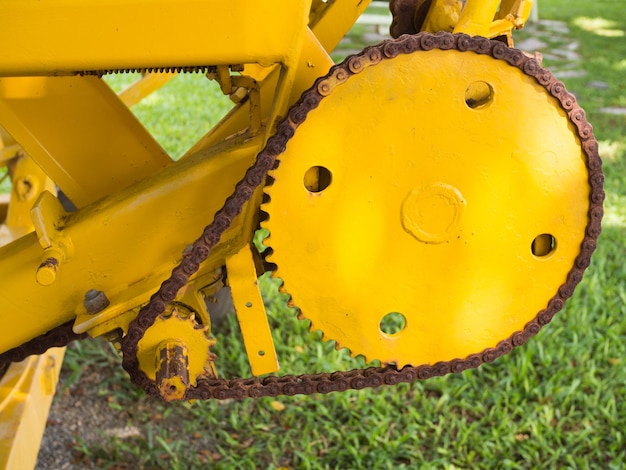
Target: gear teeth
x=338, y=347
x=267, y=253
x=269, y=267
x=274, y=269
x=266, y=257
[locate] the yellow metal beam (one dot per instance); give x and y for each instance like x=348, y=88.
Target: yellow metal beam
x=251, y=314
x=336, y=20
x=80, y=133
x=125, y=244
x=63, y=36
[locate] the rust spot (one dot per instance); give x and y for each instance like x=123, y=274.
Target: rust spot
x=50, y=263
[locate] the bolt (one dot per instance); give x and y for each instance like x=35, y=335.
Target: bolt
x=48, y=269
x=95, y=301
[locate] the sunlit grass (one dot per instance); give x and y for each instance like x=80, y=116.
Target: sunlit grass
x=599, y=26
x=179, y=113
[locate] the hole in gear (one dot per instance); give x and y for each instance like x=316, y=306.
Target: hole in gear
x=543, y=245
x=317, y=179
x=478, y=94
x=392, y=323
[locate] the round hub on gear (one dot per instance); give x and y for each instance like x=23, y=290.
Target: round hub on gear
x=429, y=207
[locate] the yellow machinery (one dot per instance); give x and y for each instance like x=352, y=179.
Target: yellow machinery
x=421, y=163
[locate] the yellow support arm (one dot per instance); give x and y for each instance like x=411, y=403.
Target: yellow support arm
x=130, y=34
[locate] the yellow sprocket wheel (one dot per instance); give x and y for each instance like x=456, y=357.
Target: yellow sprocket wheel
x=430, y=206
x=175, y=352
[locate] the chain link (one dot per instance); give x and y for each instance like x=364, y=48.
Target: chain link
x=57, y=337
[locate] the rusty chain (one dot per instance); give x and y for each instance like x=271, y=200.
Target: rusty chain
x=267, y=160
x=57, y=337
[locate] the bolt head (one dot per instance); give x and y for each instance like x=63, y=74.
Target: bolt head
x=95, y=301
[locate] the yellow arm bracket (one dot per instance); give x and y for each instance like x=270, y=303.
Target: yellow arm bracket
x=492, y=18
x=513, y=14
x=476, y=17
x=251, y=314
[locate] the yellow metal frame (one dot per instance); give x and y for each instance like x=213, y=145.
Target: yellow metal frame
x=136, y=208
x=126, y=188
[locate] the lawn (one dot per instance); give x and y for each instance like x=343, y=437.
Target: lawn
x=556, y=402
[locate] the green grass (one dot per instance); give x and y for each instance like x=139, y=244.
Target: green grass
x=555, y=403
x=174, y=116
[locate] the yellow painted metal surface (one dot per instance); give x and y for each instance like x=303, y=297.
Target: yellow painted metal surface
x=49, y=219
x=476, y=17
x=26, y=393
x=125, y=187
x=326, y=30
x=127, y=34
x=513, y=14
x=8, y=147
x=383, y=197
x=372, y=191
x=79, y=133
x=443, y=15
x=489, y=18
x=126, y=244
x=29, y=181
x=438, y=232
x=312, y=62
x=251, y=314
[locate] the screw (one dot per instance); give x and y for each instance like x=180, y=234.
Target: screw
x=95, y=301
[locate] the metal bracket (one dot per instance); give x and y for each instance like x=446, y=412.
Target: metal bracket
x=251, y=313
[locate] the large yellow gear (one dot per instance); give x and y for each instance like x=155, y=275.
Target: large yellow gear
x=429, y=207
